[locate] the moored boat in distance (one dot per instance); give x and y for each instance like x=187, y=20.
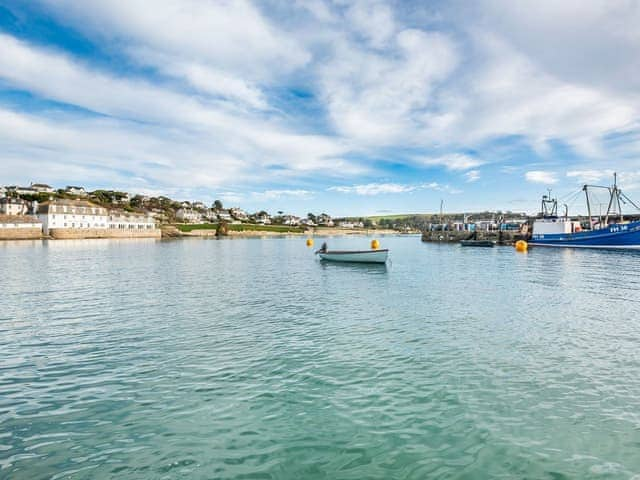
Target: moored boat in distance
x=604, y=231
x=477, y=243
x=353, y=256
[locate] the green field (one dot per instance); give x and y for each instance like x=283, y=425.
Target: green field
x=402, y=216
x=242, y=227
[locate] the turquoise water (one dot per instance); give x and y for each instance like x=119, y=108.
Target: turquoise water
x=210, y=359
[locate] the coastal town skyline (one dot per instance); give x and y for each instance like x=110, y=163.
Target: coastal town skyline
x=374, y=108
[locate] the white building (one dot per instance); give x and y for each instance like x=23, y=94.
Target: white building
x=348, y=224
x=263, y=219
x=121, y=220
x=188, y=215
x=41, y=188
x=308, y=222
x=224, y=216
x=239, y=214
x=72, y=214
x=290, y=220
x=74, y=190
x=325, y=220
x=13, y=206
x=3, y=192
x=81, y=214
x=21, y=190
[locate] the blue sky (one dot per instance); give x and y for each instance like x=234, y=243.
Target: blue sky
x=350, y=108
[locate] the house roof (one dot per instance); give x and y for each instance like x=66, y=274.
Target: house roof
x=44, y=206
x=70, y=202
x=124, y=213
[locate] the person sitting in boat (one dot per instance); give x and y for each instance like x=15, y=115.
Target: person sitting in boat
x=323, y=248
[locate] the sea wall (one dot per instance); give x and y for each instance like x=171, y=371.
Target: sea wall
x=21, y=233
x=501, y=238
x=79, y=233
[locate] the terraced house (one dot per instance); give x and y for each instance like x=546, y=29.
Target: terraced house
x=72, y=214
x=82, y=219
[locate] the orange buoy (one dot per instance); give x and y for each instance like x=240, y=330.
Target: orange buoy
x=309, y=242
x=521, y=246
x=375, y=244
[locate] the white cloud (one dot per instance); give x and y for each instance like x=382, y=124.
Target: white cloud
x=566, y=38
x=374, y=188
x=219, y=142
x=454, y=161
x=541, y=176
x=275, y=194
x=374, y=20
x=589, y=176
x=378, y=98
x=230, y=197
x=387, y=188
x=214, y=82
x=378, y=73
x=472, y=176
x=627, y=179
x=232, y=35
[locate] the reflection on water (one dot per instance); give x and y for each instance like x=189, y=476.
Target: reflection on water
x=363, y=268
x=252, y=359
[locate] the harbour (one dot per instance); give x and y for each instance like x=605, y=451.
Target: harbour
x=320, y=239
x=169, y=358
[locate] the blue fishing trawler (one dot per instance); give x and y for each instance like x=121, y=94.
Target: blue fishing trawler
x=603, y=231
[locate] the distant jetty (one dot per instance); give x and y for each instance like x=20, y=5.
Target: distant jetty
x=500, y=237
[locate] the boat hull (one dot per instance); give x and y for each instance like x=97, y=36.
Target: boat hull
x=367, y=256
x=615, y=236
x=477, y=243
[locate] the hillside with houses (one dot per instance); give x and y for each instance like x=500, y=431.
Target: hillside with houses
x=40, y=210
x=74, y=212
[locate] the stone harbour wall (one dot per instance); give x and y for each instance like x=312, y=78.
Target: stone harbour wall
x=501, y=237
x=22, y=233
x=79, y=233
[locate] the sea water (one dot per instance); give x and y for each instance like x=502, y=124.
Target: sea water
x=249, y=358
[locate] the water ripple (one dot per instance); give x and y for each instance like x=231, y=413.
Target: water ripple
x=250, y=359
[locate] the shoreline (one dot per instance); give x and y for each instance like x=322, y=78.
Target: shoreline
x=328, y=232
x=176, y=234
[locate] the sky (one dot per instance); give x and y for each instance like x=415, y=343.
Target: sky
x=345, y=107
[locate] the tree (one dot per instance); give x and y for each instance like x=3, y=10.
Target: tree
x=217, y=205
x=311, y=217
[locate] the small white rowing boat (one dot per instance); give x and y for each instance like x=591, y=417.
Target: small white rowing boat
x=359, y=256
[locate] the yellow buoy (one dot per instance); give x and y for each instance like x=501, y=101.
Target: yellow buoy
x=309, y=242
x=375, y=244
x=521, y=246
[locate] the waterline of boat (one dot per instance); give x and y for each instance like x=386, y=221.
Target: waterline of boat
x=365, y=256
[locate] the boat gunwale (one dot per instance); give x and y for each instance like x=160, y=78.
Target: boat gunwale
x=349, y=252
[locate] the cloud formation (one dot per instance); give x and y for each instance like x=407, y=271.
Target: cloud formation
x=540, y=176
x=243, y=97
